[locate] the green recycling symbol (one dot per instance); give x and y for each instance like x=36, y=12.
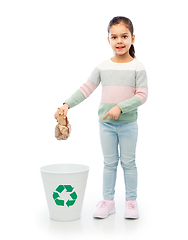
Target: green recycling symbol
x=61, y=202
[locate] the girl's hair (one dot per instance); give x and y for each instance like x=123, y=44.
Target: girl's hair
x=129, y=25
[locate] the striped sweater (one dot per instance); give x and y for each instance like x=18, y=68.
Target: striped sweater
x=123, y=84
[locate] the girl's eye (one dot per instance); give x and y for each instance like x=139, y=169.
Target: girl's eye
x=113, y=37
x=125, y=36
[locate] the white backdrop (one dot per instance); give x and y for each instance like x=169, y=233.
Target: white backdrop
x=47, y=50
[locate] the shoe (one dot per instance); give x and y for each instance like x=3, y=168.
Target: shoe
x=105, y=208
x=131, y=209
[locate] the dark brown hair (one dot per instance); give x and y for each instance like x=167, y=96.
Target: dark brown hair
x=129, y=25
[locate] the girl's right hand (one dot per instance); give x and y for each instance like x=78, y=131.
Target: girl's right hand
x=65, y=110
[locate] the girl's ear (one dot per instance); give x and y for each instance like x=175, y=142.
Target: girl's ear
x=108, y=39
x=133, y=38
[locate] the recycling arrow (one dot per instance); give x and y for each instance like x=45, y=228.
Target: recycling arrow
x=69, y=188
x=70, y=203
x=60, y=189
x=58, y=201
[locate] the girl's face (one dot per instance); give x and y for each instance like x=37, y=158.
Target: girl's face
x=120, y=39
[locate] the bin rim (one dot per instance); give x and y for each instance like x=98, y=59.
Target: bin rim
x=43, y=170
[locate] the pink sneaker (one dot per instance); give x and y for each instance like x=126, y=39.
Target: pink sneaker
x=131, y=209
x=105, y=208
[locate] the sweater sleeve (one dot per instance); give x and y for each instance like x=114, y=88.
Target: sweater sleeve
x=85, y=90
x=141, y=91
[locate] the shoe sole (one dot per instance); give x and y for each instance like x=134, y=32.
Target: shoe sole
x=130, y=217
x=111, y=212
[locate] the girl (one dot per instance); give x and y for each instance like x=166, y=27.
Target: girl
x=124, y=89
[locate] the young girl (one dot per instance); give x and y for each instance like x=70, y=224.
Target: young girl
x=124, y=89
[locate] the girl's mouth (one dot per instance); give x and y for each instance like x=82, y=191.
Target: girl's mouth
x=121, y=47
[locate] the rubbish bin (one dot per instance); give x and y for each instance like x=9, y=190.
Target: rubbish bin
x=64, y=186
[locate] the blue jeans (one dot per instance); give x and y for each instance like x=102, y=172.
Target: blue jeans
x=118, y=141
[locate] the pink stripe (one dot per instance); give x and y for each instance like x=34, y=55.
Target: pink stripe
x=87, y=88
x=142, y=93
x=116, y=94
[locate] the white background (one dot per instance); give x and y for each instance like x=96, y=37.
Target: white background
x=47, y=51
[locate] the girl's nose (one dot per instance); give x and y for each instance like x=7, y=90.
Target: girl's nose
x=119, y=40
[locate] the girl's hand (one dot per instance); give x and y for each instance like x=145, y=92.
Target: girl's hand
x=65, y=110
x=113, y=113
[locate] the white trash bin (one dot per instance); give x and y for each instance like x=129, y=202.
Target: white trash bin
x=64, y=186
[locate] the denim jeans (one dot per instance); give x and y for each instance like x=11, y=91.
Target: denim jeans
x=118, y=141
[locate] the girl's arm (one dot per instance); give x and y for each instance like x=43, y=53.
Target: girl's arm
x=83, y=92
x=140, y=97
x=141, y=92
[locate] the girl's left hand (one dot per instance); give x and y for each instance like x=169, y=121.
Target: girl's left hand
x=113, y=113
